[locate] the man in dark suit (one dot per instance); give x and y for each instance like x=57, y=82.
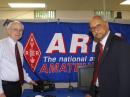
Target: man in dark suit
x=113, y=76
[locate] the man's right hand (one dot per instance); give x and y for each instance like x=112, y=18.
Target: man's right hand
x=88, y=95
x=2, y=95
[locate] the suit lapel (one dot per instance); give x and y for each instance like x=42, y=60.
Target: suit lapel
x=107, y=46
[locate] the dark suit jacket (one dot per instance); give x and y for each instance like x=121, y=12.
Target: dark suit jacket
x=114, y=72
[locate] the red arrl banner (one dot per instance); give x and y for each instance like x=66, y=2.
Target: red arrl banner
x=32, y=52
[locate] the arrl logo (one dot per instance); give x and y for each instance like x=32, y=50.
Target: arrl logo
x=32, y=52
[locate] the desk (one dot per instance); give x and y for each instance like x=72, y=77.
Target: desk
x=58, y=93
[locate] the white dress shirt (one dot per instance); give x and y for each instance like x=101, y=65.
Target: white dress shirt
x=8, y=64
x=103, y=42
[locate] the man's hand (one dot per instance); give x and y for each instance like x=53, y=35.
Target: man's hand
x=2, y=95
x=33, y=83
x=88, y=95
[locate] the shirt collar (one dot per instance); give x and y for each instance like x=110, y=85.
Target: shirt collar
x=12, y=41
x=103, y=41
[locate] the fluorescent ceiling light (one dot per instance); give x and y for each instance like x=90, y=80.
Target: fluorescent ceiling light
x=27, y=5
x=127, y=2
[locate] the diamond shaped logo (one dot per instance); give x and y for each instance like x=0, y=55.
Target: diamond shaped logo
x=32, y=52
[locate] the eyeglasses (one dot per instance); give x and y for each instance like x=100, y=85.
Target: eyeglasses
x=97, y=27
x=17, y=30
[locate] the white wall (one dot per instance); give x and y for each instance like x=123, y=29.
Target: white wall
x=3, y=32
x=61, y=14
x=125, y=14
x=82, y=15
x=16, y=15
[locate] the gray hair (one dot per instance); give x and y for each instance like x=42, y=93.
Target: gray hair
x=13, y=22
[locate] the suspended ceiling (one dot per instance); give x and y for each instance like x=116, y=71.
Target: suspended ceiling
x=71, y=4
